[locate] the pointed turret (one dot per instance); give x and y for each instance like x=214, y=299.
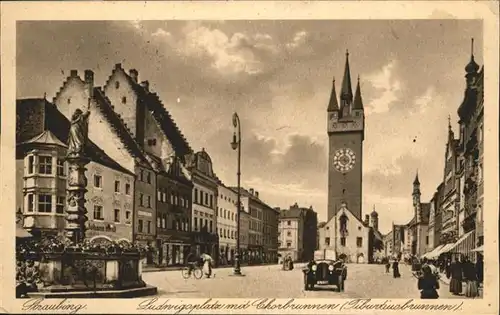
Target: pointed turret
x=346, y=92
x=451, y=135
x=471, y=68
x=358, y=101
x=416, y=182
x=333, y=105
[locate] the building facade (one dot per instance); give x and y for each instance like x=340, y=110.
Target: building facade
x=227, y=215
x=41, y=184
x=174, y=206
x=471, y=121
x=204, y=219
x=388, y=244
x=297, y=233
x=347, y=236
x=262, y=245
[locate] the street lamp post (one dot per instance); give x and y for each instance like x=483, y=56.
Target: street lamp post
x=236, y=145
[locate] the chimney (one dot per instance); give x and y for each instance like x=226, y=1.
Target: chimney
x=251, y=191
x=145, y=85
x=257, y=194
x=89, y=81
x=134, y=74
x=367, y=219
x=73, y=73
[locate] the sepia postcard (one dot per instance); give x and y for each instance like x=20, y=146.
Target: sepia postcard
x=322, y=157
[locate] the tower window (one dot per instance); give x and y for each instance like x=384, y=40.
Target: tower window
x=117, y=84
x=124, y=100
x=342, y=241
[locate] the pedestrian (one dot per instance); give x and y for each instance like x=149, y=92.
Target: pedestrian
x=207, y=264
x=395, y=269
x=387, y=265
x=471, y=287
x=479, y=269
x=428, y=284
x=456, y=275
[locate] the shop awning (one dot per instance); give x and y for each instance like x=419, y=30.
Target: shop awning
x=432, y=253
x=463, y=240
x=479, y=249
x=443, y=249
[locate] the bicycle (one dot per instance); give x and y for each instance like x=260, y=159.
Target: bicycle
x=196, y=271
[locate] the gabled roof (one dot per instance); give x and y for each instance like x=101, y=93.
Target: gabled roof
x=118, y=126
x=162, y=116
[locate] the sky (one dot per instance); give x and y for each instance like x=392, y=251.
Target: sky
x=278, y=75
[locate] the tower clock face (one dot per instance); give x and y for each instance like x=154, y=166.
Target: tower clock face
x=344, y=160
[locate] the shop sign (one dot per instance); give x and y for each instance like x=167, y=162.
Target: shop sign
x=102, y=227
x=145, y=214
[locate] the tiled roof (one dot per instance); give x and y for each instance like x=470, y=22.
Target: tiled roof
x=162, y=116
x=118, y=126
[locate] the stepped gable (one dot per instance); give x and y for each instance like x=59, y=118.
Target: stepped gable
x=59, y=125
x=118, y=126
x=163, y=118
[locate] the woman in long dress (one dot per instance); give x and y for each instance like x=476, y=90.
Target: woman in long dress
x=395, y=269
x=456, y=274
x=471, y=287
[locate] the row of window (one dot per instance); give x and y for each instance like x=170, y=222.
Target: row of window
x=44, y=165
x=145, y=177
x=288, y=244
x=226, y=198
x=226, y=233
x=99, y=215
x=226, y=214
x=178, y=224
x=174, y=199
x=145, y=200
x=44, y=203
x=203, y=198
x=208, y=224
x=359, y=241
x=144, y=226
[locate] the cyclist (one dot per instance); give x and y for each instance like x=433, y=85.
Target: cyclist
x=192, y=261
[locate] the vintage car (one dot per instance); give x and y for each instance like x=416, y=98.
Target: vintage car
x=325, y=272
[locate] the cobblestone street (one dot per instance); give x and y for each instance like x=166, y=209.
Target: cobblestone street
x=364, y=281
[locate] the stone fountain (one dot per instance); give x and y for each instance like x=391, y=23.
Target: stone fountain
x=75, y=266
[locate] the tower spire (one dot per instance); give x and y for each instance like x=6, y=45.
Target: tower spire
x=472, y=66
x=333, y=104
x=416, y=181
x=346, y=92
x=358, y=101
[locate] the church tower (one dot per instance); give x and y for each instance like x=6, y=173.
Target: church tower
x=346, y=125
